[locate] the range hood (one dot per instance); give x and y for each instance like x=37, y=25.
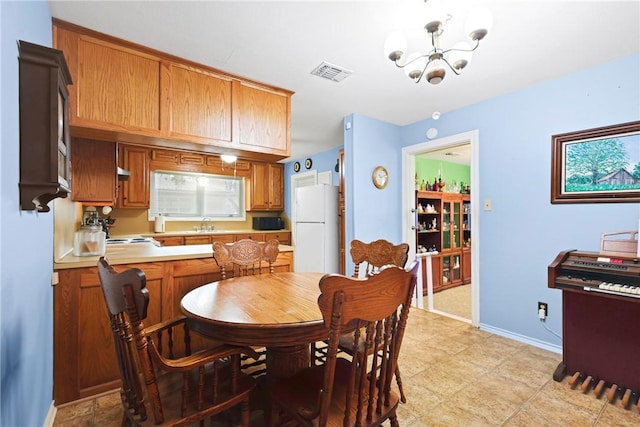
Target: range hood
x=123, y=174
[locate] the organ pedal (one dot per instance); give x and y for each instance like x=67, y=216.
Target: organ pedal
x=574, y=379
x=611, y=396
x=626, y=398
x=599, y=387
x=586, y=384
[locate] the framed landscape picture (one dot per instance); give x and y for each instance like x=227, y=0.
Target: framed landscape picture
x=596, y=165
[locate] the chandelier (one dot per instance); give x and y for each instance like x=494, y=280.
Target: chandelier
x=433, y=65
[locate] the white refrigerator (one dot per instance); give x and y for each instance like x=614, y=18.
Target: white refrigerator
x=316, y=229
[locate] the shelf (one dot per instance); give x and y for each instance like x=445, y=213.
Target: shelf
x=428, y=231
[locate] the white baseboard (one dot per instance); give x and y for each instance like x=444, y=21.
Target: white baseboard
x=521, y=338
x=51, y=416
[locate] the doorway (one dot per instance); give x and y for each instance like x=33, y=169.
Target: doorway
x=409, y=218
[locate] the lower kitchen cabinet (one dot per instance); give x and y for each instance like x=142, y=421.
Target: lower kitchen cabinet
x=84, y=362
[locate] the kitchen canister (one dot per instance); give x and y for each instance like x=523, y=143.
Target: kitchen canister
x=90, y=240
x=159, y=224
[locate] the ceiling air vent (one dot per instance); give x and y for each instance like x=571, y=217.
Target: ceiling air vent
x=331, y=72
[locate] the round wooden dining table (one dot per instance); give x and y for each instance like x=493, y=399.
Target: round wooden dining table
x=278, y=311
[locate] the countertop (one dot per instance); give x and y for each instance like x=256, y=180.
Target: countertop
x=133, y=253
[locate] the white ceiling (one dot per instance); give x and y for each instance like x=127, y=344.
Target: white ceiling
x=280, y=43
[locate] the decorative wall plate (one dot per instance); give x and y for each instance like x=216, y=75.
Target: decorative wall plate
x=308, y=163
x=296, y=167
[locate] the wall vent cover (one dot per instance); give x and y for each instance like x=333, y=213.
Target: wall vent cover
x=331, y=72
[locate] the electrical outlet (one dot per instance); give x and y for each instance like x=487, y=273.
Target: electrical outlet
x=543, y=310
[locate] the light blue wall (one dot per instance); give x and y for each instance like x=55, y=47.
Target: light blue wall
x=524, y=232
x=26, y=243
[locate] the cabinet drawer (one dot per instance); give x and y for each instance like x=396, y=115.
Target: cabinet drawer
x=224, y=238
x=258, y=237
x=283, y=238
x=170, y=240
x=197, y=240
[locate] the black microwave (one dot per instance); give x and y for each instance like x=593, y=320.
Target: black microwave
x=267, y=223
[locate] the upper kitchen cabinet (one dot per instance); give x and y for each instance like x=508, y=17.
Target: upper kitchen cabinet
x=134, y=191
x=44, y=126
x=118, y=88
x=93, y=170
x=264, y=119
x=267, y=187
x=130, y=93
x=199, y=104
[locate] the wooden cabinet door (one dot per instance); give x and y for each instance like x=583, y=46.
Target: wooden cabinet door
x=114, y=86
x=258, y=237
x=267, y=187
x=466, y=266
x=276, y=186
x=93, y=168
x=263, y=118
x=259, y=191
x=200, y=103
x=135, y=191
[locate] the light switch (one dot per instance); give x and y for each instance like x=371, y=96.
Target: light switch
x=487, y=205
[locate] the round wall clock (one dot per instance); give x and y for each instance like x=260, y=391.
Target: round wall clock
x=296, y=167
x=380, y=177
x=308, y=163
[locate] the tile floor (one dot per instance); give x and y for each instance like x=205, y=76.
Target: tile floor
x=453, y=375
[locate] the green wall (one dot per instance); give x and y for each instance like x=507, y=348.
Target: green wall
x=429, y=169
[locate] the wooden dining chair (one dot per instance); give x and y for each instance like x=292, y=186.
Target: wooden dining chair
x=242, y=258
x=354, y=392
x=371, y=257
x=375, y=255
x=245, y=257
x=158, y=388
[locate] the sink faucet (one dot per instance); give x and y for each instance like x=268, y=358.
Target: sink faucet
x=203, y=225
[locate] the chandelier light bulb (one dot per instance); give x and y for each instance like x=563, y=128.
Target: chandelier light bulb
x=460, y=55
x=395, y=45
x=415, y=65
x=478, y=24
x=435, y=72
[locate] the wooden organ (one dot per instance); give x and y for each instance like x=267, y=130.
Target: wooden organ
x=600, y=322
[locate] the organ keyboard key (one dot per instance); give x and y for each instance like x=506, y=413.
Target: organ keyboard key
x=574, y=379
x=611, y=396
x=585, y=385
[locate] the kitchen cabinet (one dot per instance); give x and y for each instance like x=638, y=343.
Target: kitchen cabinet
x=127, y=92
x=200, y=103
x=93, y=171
x=44, y=126
x=135, y=191
x=283, y=237
x=84, y=362
x=267, y=187
x=123, y=95
x=264, y=119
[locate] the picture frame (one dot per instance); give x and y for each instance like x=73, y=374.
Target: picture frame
x=600, y=165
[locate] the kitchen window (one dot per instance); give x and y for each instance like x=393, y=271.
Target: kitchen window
x=184, y=196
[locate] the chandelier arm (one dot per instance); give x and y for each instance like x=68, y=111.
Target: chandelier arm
x=409, y=62
x=463, y=50
x=457, y=73
x=424, y=70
